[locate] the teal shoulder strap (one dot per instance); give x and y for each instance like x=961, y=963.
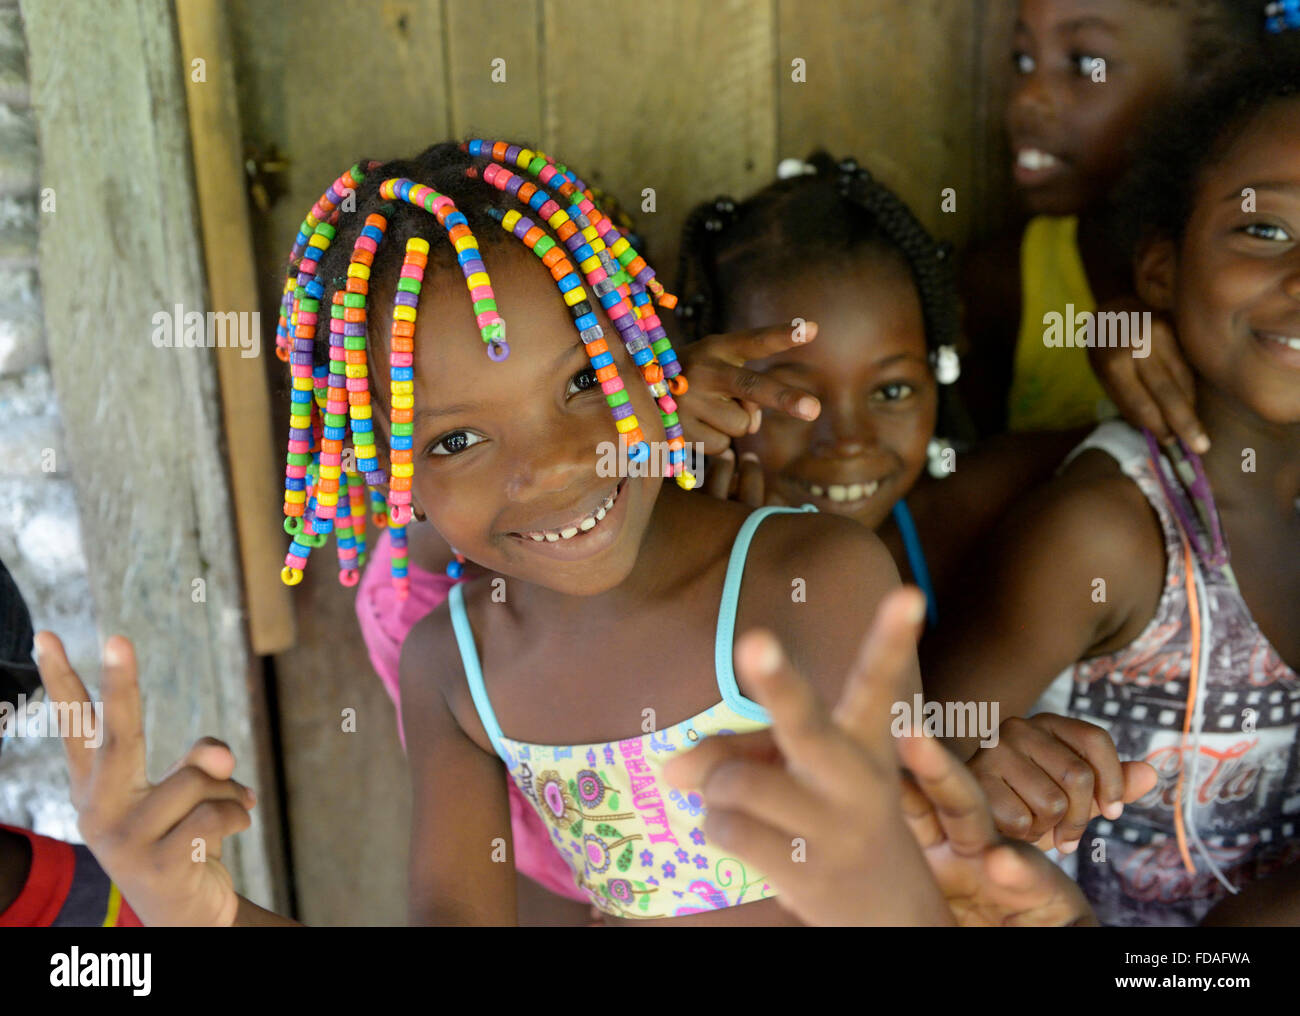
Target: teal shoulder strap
x=722, y=663
x=469, y=660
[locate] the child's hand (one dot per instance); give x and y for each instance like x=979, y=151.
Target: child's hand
x=834, y=783
x=987, y=881
x=1049, y=776
x=142, y=833
x=1155, y=391
x=815, y=803
x=746, y=484
x=726, y=399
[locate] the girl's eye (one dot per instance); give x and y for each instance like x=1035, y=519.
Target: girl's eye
x=1267, y=231
x=895, y=391
x=454, y=443
x=1086, y=63
x=583, y=381
x=1022, y=62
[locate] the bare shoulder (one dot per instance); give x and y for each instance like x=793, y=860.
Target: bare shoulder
x=1090, y=522
x=820, y=578
x=434, y=691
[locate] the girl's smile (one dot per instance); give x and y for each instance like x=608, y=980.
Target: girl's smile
x=575, y=536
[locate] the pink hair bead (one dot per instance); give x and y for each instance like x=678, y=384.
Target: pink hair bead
x=402, y=359
x=614, y=384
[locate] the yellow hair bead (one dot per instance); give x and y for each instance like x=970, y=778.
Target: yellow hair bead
x=591, y=236
x=398, y=469
x=318, y=241
x=523, y=159
x=295, y=496
x=511, y=220
x=357, y=270
x=403, y=313
x=559, y=217
x=590, y=265
x=465, y=243
x=478, y=279
x=574, y=296
x=403, y=387
x=620, y=245
x=418, y=245
x=290, y=576
x=354, y=370
x=403, y=402
x=628, y=423
x=360, y=412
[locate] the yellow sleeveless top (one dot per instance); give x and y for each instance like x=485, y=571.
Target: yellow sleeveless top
x=1052, y=388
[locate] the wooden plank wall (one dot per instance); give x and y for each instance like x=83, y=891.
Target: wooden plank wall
x=693, y=100
x=142, y=424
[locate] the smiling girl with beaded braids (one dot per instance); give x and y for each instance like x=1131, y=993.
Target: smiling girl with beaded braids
x=577, y=668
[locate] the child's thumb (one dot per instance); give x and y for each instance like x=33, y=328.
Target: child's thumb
x=1139, y=779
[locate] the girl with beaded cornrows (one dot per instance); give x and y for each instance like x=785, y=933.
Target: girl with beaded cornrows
x=829, y=243
x=499, y=454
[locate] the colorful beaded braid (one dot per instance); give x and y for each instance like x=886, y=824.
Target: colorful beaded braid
x=591, y=238
x=329, y=402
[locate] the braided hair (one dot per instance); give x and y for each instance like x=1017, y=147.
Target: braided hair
x=826, y=213
x=374, y=233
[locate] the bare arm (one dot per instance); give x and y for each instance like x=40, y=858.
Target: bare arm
x=462, y=870
x=1270, y=902
x=1076, y=569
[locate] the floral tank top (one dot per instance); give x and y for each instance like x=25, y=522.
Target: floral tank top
x=635, y=845
x=1243, y=770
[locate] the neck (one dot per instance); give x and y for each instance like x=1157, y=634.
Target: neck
x=1108, y=269
x=1239, y=440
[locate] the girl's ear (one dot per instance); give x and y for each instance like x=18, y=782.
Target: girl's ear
x=1155, y=272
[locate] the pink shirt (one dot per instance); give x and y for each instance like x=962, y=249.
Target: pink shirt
x=385, y=623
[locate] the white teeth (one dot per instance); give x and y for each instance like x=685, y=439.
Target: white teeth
x=569, y=532
x=817, y=491
x=851, y=492
x=1032, y=159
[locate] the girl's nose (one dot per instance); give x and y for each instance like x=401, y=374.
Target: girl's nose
x=1291, y=283
x=844, y=431
x=1033, y=101
x=546, y=467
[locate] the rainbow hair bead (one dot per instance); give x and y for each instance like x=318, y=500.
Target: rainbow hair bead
x=331, y=404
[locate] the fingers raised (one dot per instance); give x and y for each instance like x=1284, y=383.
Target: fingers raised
x=881, y=673
x=64, y=686
x=121, y=758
